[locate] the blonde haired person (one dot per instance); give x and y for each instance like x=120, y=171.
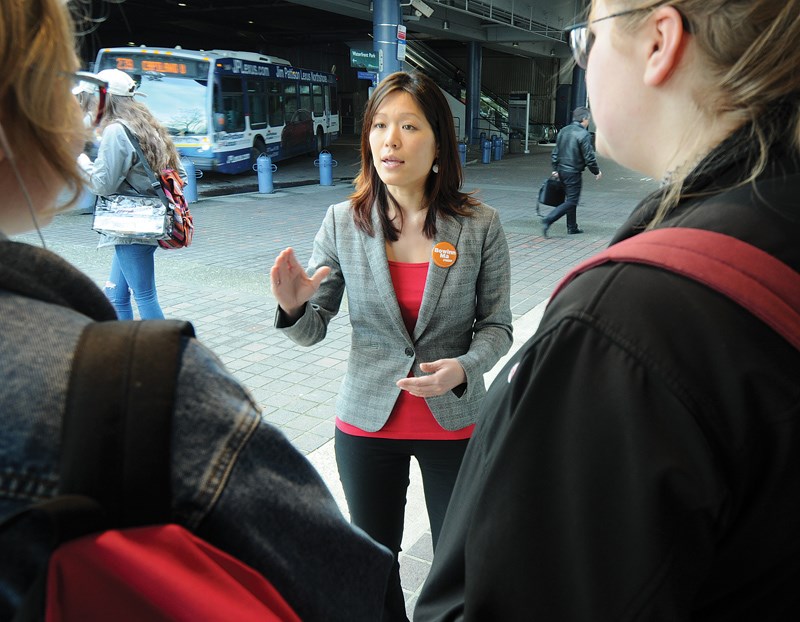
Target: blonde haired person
x=118, y=170
x=639, y=457
x=236, y=481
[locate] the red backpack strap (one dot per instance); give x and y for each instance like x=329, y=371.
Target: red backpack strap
x=754, y=279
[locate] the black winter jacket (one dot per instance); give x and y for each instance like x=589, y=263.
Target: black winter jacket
x=573, y=151
x=639, y=458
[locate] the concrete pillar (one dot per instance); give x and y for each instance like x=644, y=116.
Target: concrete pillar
x=473, y=107
x=386, y=16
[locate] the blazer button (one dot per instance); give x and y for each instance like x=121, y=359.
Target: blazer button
x=409, y=352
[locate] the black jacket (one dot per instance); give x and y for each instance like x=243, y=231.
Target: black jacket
x=573, y=151
x=639, y=457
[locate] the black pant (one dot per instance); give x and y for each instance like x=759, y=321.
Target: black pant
x=375, y=475
x=573, y=182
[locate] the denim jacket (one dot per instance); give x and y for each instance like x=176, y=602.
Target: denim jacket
x=237, y=482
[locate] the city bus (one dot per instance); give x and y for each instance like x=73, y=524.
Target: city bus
x=223, y=109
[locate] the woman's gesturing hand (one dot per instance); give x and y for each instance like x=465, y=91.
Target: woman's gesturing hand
x=444, y=374
x=290, y=284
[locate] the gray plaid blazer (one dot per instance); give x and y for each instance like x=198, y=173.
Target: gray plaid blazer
x=465, y=314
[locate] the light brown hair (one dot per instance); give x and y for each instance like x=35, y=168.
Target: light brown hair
x=750, y=50
x=37, y=54
x=158, y=148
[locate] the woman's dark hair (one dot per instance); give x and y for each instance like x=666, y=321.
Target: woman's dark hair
x=442, y=190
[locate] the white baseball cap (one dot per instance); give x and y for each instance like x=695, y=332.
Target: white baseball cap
x=83, y=87
x=119, y=83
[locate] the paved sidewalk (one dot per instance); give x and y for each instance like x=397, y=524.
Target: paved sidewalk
x=221, y=284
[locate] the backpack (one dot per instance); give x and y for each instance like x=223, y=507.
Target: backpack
x=751, y=277
x=169, y=188
x=115, y=554
x=182, y=230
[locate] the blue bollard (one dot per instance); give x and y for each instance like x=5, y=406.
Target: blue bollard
x=487, y=151
x=462, y=153
x=498, y=147
x=325, y=164
x=190, y=189
x=265, y=168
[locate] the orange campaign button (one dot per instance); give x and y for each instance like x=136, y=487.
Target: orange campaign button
x=444, y=254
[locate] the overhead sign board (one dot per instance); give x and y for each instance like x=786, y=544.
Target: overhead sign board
x=364, y=59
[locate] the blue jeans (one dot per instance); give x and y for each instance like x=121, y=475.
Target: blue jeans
x=133, y=268
x=573, y=183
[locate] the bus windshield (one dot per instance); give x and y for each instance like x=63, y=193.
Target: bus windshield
x=223, y=109
x=179, y=103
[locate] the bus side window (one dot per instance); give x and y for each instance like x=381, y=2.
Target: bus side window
x=275, y=103
x=305, y=96
x=318, y=100
x=289, y=102
x=257, y=102
x=232, y=102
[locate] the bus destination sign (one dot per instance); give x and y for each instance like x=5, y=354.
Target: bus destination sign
x=150, y=63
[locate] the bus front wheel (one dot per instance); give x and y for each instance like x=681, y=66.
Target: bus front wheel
x=320, y=141
x=259, y=148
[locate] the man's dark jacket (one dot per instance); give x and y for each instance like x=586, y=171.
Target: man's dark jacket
x=573, y=151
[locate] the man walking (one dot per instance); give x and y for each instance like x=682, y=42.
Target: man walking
x=573, y=153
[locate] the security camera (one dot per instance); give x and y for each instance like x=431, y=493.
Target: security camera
x=422, y=8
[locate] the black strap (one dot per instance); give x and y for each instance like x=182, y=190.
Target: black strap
x=155, y=183
x=118, y=420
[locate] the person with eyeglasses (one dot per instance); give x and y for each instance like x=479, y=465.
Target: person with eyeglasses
x=236, y=481
x=638, y=458
x=572, y=154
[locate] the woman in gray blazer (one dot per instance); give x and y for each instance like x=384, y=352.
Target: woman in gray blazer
x=427, y=273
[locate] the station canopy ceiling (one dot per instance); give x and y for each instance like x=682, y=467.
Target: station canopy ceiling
x=253, y=25
x=520, y=27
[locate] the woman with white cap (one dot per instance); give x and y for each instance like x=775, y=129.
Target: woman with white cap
x=119, y=170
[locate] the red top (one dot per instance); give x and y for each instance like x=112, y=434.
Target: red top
x=411, y=418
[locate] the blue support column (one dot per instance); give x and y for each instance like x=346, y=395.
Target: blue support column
x=386, y=16
x=473, y=107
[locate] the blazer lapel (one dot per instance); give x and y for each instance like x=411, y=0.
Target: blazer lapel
x=375, y=249
x=447, y=230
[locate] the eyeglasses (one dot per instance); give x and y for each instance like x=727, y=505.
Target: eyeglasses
x=581, y=38
x=91, y=93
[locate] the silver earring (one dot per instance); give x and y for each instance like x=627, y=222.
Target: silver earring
x=435, y=168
